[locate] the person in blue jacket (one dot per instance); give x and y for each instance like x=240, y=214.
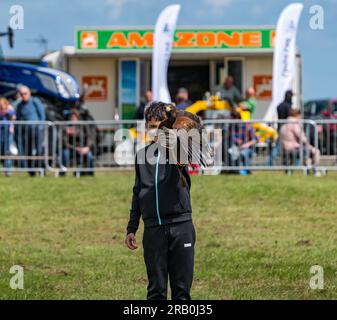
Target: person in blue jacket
x=30, y=136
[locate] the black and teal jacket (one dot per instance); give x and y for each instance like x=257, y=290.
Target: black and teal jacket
x=161, y=194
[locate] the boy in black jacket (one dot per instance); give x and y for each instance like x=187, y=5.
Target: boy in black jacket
x=161, y=195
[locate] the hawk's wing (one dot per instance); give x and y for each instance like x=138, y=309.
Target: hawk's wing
x=193, y=139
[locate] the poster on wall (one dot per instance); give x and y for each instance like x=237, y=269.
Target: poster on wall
x=263, y=86
x=128, y=88
x=96, y=87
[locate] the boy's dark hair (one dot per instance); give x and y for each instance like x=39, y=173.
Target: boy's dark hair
x=159, y=111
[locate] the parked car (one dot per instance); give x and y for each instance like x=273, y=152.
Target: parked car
x=324, y=109
x=316, y=109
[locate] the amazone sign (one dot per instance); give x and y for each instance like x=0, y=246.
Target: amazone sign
x=184, y=39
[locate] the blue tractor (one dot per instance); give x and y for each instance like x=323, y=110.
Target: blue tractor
x=58, y=90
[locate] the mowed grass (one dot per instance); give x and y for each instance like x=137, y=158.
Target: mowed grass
x=257, y=237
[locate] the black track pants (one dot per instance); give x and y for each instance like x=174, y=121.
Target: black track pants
x=169, y=252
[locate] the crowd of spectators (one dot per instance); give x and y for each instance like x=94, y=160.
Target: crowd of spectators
x=241, y=139
x=22, y=136
x=26, y=140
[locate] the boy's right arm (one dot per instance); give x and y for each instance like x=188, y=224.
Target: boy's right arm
x=134, y=213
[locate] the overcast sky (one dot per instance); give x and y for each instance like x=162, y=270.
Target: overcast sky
x=57, y=19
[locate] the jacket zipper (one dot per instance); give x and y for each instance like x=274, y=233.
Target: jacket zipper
x=156, y=186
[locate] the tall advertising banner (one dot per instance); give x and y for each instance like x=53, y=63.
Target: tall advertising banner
x=284, y=56
x=162, y=46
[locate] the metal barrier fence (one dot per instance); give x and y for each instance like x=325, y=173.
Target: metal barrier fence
x=24, y=146
x=326, y=132
x=263, y=145
x=83, y=147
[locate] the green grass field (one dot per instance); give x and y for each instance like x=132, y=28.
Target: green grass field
x=257, y=237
